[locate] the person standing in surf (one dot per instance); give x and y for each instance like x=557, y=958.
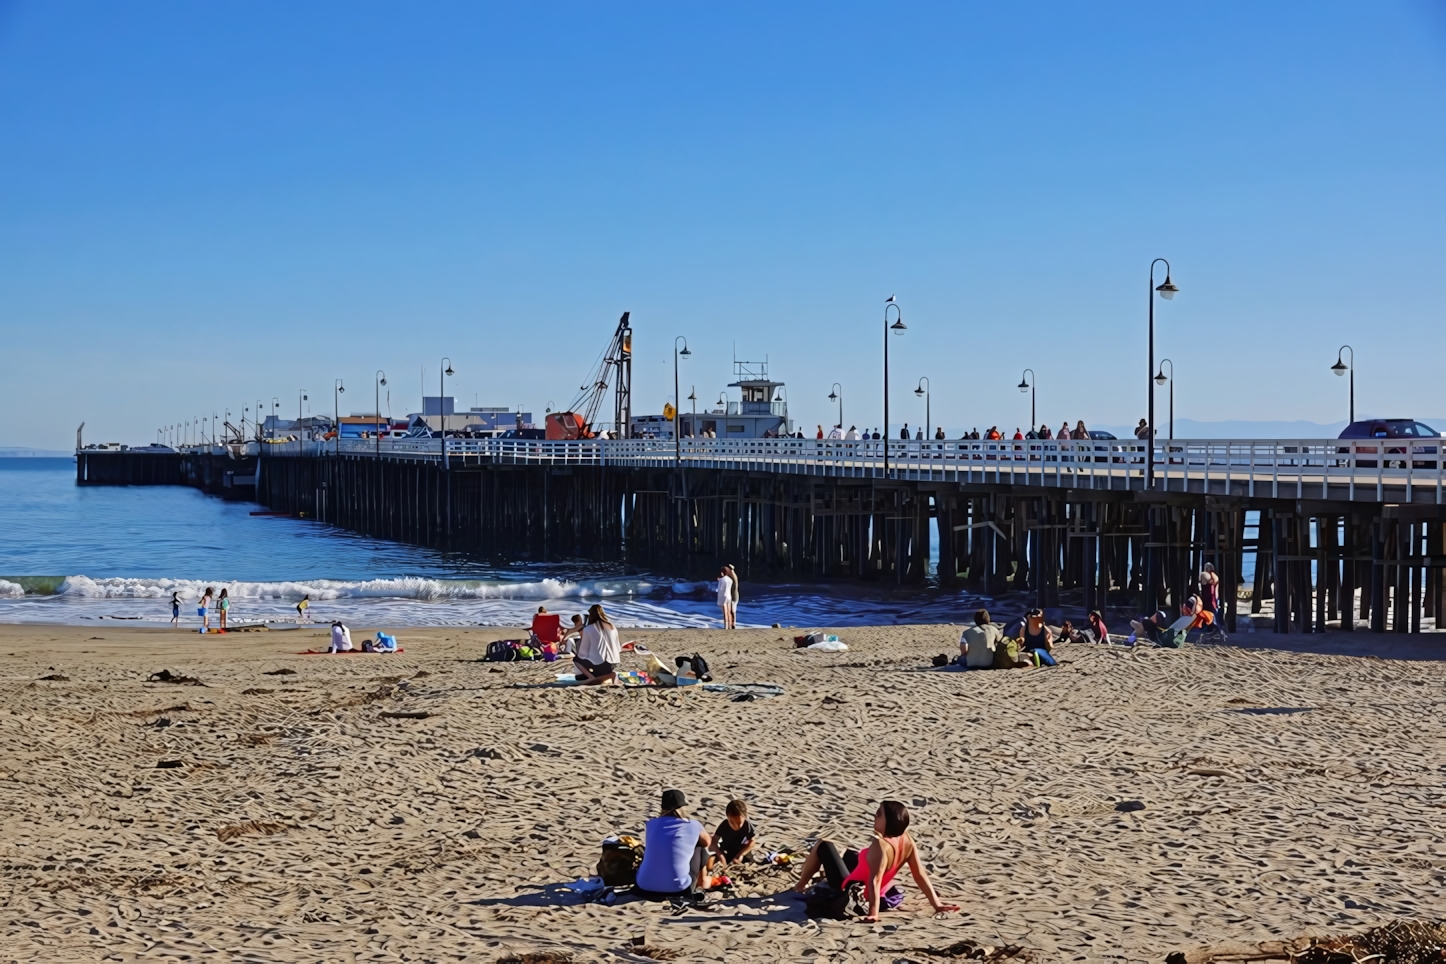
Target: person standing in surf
x=725, y=597
x=175, y=610
x=733, y=609
x=301, y=609
x=203, y=611
x=223, y=606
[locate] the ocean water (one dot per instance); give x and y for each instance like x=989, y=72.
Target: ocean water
x=74, y=554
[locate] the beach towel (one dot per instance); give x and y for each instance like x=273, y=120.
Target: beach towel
x=346, y=652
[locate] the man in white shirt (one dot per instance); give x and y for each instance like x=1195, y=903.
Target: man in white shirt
x=976, y=644
x=340, y=638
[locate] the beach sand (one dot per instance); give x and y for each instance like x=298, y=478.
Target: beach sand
x=1279, y=793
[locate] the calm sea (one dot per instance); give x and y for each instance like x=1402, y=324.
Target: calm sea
x=72, y=555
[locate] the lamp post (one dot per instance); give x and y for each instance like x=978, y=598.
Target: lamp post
x=1340, y=368
x=381, y=379
x=336, y=390
x=257, y=424
x=1160, y=379
x=275, y=404
x=836, y=395
x=301, y=396
x=898, y=328
x=1166, y=290
x=1027, y=385
x=693, y=424
x=677, y=401
x=923, y=390
x=444, y=369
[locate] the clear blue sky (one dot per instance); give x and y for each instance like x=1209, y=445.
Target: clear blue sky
x=205, y=204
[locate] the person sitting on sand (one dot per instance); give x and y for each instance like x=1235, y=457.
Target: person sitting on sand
x=1035, y=637
x=735, y=836
x=1094, y=631
x=875, y=868
x=340, y=638
x=976, y=644
x=1149, y=626
x=675, y=851
x=571, y=635
x=598, y=651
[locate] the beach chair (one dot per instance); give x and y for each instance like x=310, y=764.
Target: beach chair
x=547, y=628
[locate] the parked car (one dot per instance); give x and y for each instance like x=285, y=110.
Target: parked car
x=1107, y=436
x=1393, y=428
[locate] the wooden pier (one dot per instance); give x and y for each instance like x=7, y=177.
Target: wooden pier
x=1342, y=530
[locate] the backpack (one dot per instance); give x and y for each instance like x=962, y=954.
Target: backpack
x=1006, y=653
x=500, y=651
x=697, y=664
x=619, y=864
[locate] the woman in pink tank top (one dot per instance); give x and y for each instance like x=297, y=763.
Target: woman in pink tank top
x=876, y=867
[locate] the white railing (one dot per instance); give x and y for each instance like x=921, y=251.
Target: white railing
x=1355, y=469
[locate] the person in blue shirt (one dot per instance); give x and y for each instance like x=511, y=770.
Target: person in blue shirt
x=675, y=854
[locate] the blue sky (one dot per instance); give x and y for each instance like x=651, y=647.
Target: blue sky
x=206, y=204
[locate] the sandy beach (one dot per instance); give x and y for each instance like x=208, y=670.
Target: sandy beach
x=1124, y=805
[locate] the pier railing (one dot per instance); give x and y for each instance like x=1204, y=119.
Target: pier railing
x=1351, y=469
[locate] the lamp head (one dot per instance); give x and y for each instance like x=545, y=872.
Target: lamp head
x=384, y=380
x=341, y=388
x=1023, y=385
x=832, y=396
x=1160, y=378
x=899, y=327
x=685, y=352
x=449, y=371
x=919, y=391
x=692, y=396
x=1339, y=367
x=1167, y=289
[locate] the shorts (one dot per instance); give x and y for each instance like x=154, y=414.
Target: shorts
x=201, y=611
x=595, y=669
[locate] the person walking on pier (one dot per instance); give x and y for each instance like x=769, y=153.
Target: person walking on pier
x=725, y=597
x=939, y=434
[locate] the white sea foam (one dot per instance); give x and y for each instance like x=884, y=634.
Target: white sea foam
x=406, y=587
x=11, y=590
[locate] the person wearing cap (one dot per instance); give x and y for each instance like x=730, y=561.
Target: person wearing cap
x=675, y=852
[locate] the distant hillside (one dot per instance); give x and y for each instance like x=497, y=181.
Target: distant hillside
x=20, y=452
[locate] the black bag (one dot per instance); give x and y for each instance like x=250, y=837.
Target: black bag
x=826, y=902
x=501, y=651
x=697, y=664
x=619, y=865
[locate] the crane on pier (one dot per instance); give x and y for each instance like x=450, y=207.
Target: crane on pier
x=614, y=366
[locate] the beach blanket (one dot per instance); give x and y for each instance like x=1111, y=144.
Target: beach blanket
x=347, y=652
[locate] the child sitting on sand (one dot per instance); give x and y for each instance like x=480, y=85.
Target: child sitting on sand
x=735, y=835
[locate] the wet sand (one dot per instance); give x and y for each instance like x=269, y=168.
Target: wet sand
x=1121, y=806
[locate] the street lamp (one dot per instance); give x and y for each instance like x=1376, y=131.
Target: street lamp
x=836, y=395
x=693, y=397
x=677, y=401
x=1167, y=290
x=301, y=396
x=275, y=404
x=923, y=390
x=1160, y=379
x=445, y=369
x=1340, y=368
x=336, y=391
x=898, y=328
x=381, y=379
x=1027, y=385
